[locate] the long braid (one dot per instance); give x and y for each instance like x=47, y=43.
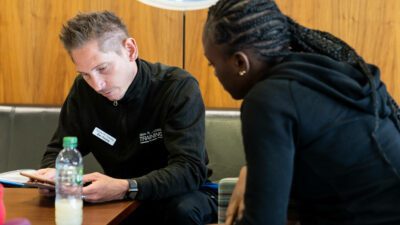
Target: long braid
x=326, y=44
x=260, y=25
x=322, y=43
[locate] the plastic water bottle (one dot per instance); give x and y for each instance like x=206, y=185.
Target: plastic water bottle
x=69, y=170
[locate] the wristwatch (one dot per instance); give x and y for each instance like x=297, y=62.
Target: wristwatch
x=132, y=189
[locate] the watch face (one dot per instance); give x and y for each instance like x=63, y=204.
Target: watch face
x=132, y=185
x=132, y=191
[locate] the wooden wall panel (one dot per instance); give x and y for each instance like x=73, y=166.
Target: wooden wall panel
x=35, y=69
x=372, y=27
x=214, y=94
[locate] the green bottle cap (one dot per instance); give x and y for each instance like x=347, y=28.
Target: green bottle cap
x=70, y=142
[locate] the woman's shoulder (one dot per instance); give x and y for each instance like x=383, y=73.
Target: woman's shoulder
x=271, y=96
x=269, y=89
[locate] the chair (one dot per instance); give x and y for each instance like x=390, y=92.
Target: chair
x=226, y=152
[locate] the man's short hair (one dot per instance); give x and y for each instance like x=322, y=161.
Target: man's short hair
x=104, y=27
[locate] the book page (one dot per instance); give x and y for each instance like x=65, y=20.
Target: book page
x=14, y=178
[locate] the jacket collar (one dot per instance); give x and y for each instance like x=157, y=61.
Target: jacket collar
x=139, y=85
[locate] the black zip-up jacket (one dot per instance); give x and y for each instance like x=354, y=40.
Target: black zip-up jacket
x=311, y=128
x=158, y=128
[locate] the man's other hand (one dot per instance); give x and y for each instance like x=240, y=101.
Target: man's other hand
x=50, y=174
x=103, y=188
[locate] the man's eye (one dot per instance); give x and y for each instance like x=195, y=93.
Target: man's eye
x=102, y=68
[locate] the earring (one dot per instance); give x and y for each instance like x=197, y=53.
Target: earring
x=242, y=73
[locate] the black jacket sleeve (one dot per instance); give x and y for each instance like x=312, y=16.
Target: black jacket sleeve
x=183, y=132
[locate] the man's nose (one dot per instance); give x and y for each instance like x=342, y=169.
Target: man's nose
x=98, y=84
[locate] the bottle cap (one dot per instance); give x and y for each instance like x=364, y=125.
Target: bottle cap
x=70, y=142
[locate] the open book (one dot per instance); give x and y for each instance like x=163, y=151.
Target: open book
x=14, y=178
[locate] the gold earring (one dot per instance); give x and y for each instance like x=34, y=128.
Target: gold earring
x=242, y=73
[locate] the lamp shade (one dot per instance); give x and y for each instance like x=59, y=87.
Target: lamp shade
x=181, y=5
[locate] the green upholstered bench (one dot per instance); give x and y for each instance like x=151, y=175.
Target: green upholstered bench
x=26, y=130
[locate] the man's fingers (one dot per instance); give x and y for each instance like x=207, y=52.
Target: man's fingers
x=48, y=173
x=89, y=190
x=91, y=177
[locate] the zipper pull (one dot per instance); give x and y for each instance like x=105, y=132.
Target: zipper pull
x=115, y=103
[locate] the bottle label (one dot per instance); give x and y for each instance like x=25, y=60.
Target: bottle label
x=79, y=176
x=104, y=136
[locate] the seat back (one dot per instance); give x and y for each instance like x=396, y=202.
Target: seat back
x=25, y=132
x=224, y=143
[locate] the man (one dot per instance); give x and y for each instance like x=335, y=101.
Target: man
x=143, y=122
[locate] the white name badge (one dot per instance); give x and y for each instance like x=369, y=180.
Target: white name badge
x=104, y=136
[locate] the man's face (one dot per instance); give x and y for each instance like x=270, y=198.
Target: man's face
x=108, y=73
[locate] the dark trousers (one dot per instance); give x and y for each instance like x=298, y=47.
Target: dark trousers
x=197, y=207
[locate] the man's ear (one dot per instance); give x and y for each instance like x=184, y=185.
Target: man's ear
x=241, y=61
x=133, y=51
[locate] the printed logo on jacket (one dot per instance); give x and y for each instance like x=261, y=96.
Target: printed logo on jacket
x=150, y=136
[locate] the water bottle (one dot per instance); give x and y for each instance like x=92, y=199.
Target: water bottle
x=69, y=170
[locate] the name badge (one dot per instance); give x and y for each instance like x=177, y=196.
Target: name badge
x=104, y=136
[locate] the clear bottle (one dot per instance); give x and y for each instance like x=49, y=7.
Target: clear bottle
x=69, y=171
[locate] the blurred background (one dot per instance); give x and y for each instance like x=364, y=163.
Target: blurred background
x=35, y=69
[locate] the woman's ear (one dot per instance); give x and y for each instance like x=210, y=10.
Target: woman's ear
x=241, y=61
x=133, y=51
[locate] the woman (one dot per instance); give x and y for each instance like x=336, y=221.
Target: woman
x=318, y=124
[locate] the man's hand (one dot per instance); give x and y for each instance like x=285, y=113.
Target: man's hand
x=103, y=188
x=236, y=204
x=50, y=174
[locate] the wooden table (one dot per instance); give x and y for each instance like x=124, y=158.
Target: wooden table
x=27, y=203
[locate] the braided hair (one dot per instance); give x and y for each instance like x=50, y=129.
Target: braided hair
x=249, y=24
x=260, y=25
